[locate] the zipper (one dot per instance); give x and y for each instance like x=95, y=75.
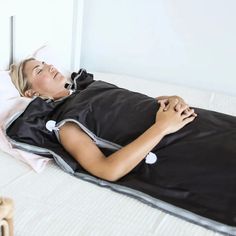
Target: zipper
x=99, y=141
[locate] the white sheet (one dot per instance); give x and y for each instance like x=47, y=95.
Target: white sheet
x=55, y=203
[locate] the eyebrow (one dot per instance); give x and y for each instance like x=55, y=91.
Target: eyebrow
x=37, y=66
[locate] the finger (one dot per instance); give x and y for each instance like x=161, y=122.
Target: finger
x=162, y=105
x=188, y=110
x=163, y=99
x=181, y=104
x=187, y=113
x=188, y=120
x=183, y=109
x=167, y=106
x=178, y=107
x=173, y=103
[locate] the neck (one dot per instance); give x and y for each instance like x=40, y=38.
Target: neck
x=61, y=94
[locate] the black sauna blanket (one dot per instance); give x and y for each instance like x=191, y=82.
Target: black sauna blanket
x=194, y=176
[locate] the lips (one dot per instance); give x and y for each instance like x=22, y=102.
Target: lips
x=55, y=75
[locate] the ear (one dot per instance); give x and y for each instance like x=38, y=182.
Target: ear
x=30, y=93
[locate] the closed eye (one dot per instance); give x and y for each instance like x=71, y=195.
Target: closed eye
x=38, y=68
x=39, y=71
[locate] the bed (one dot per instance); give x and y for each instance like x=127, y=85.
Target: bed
x=49, y=201
x=82, y=208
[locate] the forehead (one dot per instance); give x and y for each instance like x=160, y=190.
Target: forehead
x=30, y=65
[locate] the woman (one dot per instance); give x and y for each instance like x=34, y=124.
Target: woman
x=154, y=146
x=36, y=78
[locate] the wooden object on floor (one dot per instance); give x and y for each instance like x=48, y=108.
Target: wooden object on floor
x=6, y=216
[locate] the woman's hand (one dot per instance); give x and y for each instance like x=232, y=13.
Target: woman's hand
x=167, y=99
x=180, y=104
x=170, y=119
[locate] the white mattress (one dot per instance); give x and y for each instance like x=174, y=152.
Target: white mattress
x=55, y=203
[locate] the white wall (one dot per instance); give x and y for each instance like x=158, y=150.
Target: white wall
x=5, y=45
x=43, y=22
x=185, y=42
x=5, y=12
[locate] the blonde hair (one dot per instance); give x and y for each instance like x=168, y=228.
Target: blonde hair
x=18, y=76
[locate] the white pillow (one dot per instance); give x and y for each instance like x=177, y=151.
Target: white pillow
x=10, y=104
x=7, y=89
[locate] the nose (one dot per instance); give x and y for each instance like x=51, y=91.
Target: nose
x=51, y=68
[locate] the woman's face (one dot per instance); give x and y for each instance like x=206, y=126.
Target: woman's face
x=45, y=79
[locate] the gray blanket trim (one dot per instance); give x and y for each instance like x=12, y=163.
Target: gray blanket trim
x=77, y=76
x=168, y=208
x=35, y=149
x=99, y=141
